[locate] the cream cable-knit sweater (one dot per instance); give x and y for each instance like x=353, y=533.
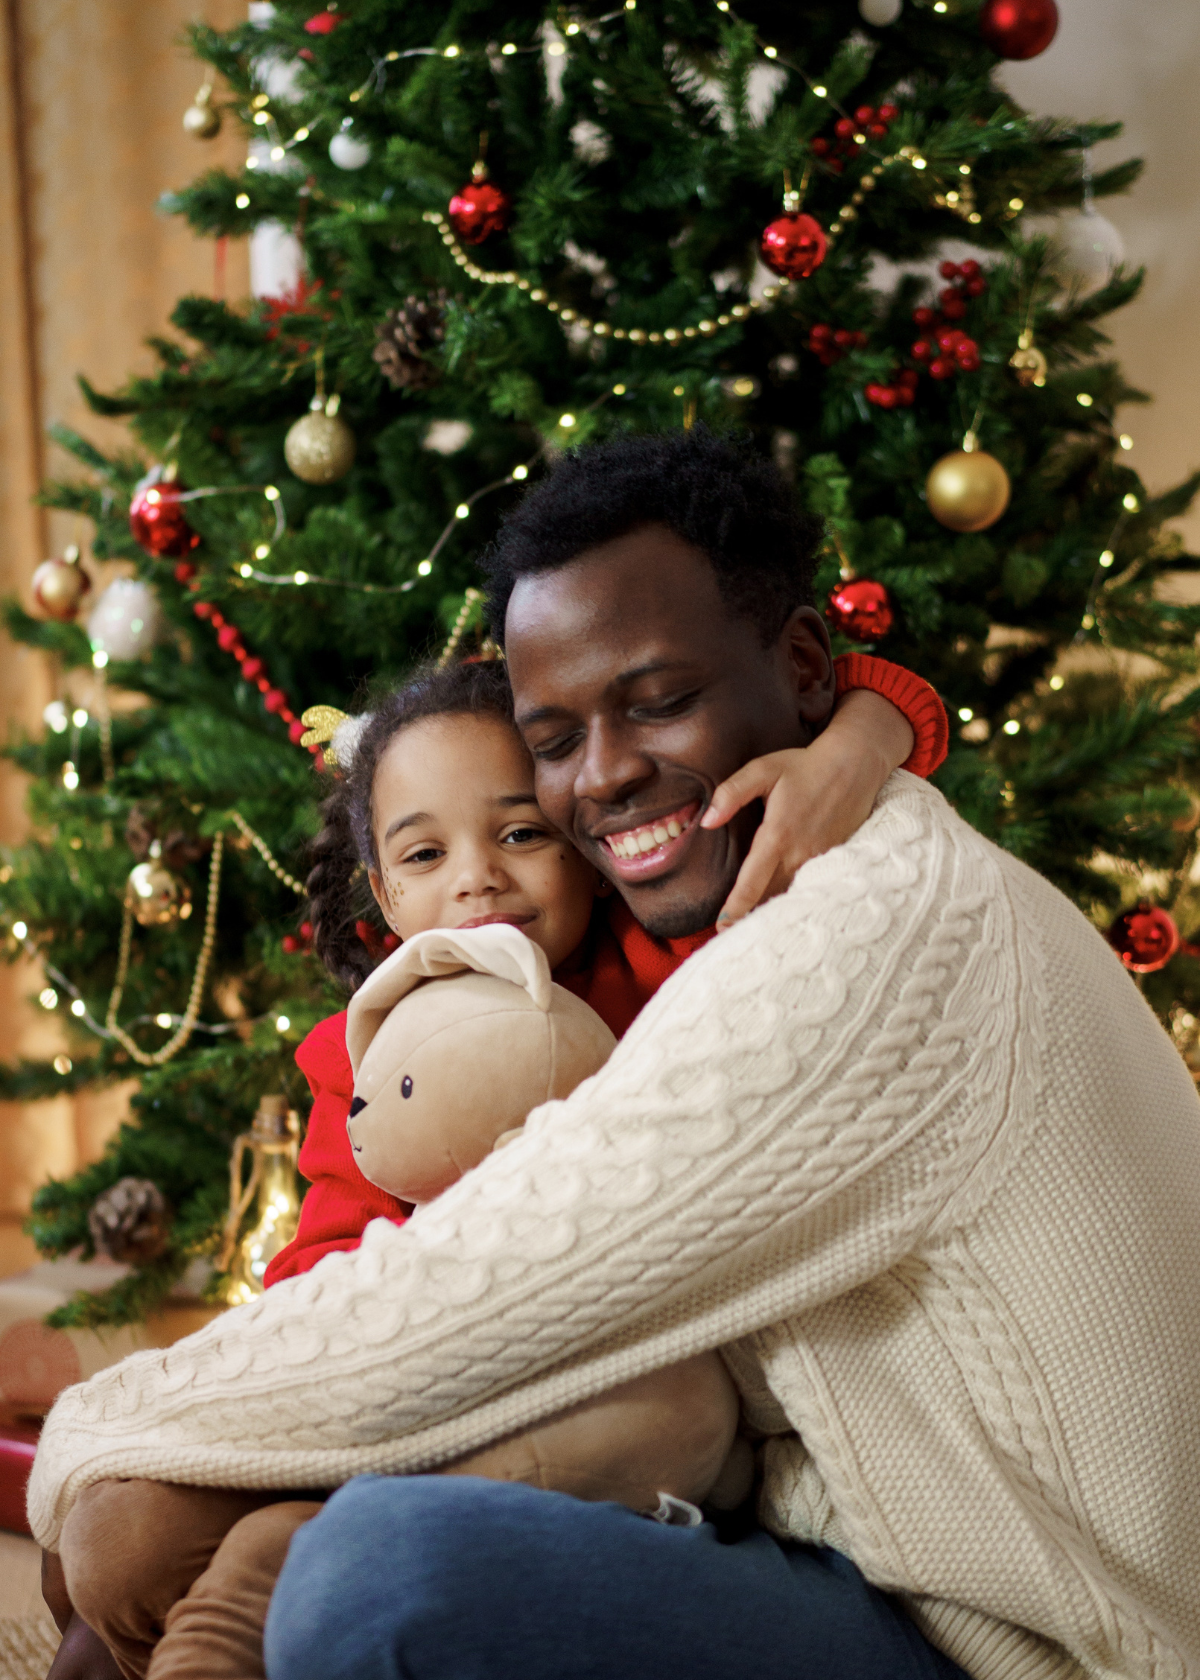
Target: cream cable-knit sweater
x=909, y=1139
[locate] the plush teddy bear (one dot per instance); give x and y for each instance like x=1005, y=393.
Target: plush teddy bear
x=453, y=1041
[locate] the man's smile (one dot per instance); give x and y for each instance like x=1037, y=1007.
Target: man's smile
x=653, y=846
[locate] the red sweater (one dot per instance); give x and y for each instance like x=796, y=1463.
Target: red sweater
x=617, y=969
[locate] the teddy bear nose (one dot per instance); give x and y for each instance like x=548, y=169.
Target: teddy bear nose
x=357, y=1106
x=406, y=1086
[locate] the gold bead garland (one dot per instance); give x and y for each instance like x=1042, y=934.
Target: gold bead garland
x=458, y=629
x=266, y=854
x=191, y=1014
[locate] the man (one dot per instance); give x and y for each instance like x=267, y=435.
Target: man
x=905, y=1143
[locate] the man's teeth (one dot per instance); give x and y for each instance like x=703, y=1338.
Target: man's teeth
x=635, y=841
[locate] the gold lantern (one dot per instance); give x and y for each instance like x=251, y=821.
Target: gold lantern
x=274, y=1144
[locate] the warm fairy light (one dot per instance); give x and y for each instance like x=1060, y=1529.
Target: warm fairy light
x=556, y=49
x=63, y=1065
x=282, y=1023
x=1125, y=441
x=1085, y=400
x=99, y=659
x=1107, y=558
x=48, y=998
x=821, y=92
x=940, y=6
x=722, y=5
x=678, y=390
x=20, y=931
x=79, y=1007
x=162, y=1020
x=572, y=29
x=771, y=52
x=424, y=569
x=566, y=421
x=79, y=717
x=242, y=201
x=251, y=163
x=70, y=777
x=246, y=569
x=965, y=713
x=523, y=472
x=919, y=163
x=461, y=511
x=261, y=118
x=262, y=551
x=259, y=100
x=300, y=134
x=618, y=390
x=1130, y=503
x=277, y=152
x=271, y=493
x=964, y=169
x=1012, y=727
x=450, y=52
x=509, y=48
x=1016, y=204
x=1056, y=683
x=300, y=577
x=1088, y=621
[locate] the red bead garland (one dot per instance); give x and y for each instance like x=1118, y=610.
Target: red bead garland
x=829, y=344
x=229, y=640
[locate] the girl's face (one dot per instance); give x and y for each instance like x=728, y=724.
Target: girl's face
x=461, y=840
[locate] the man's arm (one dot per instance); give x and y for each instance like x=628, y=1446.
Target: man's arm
x=784, y=1120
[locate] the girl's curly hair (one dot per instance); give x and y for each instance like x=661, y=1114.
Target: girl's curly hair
x=339, y=895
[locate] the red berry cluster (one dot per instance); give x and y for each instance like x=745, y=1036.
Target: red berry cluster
x=229, y=639
x=944, y=350
x=829, y=345
x=967, y=281
x=301, y=940
x=869, y=122
x=901, y=393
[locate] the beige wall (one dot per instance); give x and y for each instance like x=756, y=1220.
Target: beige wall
x=91, y=95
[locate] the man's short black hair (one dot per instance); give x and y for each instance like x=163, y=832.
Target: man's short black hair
x=717, y=493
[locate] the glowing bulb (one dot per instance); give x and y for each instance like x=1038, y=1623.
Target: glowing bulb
x=63, y=1065
x=271, y=493
x=509, y=48
x=1126, y=441
x=20, y=931
x=618, y=390
x=259, y=100
x=251, y=163
x=282, y=1023
x=678, y=390
x=48, y=998
x=1016, y=204
x=523, y=472
x=79, y=1007
x=300, y=577
x=919, y=163
x=566, y=421
x=79, y=717
x=424, y=569
x=277, y=152
x=572, y=29
x=262, y=551
x=261, y=117
x=964, y=169
x=461, y=511
x=771, y=52
x=821, y=92
x=1107, y=558
x=451, y=52
x=556, y=49
x=1084, y=400
x=722, y=5
x=99, y=659
x=300, y=134
x=965, y=713
x=1056, y=683
x=246, y=569
x=1088, y=622
x=940, y=6
x=163, y=1020
x=242, y=201
x=70, y=777
x=55, y=717
x=1012, y=727
x=1130, y=503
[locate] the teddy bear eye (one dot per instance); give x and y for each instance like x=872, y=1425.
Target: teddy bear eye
x=406, y=1086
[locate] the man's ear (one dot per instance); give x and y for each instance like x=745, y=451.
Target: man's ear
x=380, y=897
x=804, y=642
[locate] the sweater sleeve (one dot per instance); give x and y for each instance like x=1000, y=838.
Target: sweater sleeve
x=340, y=1203
x=911, y=695
x=782, y=1123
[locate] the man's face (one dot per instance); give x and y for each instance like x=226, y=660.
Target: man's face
x=638, y=691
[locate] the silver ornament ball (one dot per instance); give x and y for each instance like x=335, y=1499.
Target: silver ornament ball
x=880, y=12
x=126, y=621
x=348, y=152
x=1086, y=248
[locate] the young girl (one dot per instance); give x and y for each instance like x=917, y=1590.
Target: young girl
x=436, y=805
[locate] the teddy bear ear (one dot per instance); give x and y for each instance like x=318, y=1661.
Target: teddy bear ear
x=496, y=949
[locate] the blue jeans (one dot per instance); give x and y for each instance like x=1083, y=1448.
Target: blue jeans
x=455, y=1578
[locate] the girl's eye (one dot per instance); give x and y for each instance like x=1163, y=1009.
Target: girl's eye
x=522, y=836
x=427, y=854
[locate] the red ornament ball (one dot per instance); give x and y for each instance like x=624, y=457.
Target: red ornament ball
x=794, y=245
x=156, y=518
x=1145, y=938
x=478, y=210
x=322, y=23
x=861, y=609
x=1018, y=28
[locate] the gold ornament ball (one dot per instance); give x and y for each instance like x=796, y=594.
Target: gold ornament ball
x=59, y=586
x=156, y=896
x=202, y=120
x=1029, y=365
x=320, y=448
x=967, y=490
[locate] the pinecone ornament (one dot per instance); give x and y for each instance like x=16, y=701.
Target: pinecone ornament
x=405, y=335
x=130, y=1222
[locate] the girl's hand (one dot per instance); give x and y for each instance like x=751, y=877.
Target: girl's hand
x=815, y=797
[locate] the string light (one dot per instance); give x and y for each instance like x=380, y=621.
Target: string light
x=1084, y=400
x=282, y=1023
x=965, y=713
x=20, y=931
x=1057, y=682
x=70, y=777
x=48, y=998
x=99, y=659
x=1012, y=727
x=1125, y=441
x=242, y=201
x=522, y=472
x=79, y=1007
x=1130, y=503
x=62, y=1065
x=1107, y=558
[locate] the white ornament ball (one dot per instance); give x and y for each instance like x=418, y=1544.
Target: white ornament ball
x=348, y=152
x=880, y=12
x=1087, y=247
x=126, y=621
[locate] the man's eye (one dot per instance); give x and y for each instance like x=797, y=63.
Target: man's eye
x=670, y=707
x=549, y=751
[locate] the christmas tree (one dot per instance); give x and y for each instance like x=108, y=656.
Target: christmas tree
x=522, y=229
